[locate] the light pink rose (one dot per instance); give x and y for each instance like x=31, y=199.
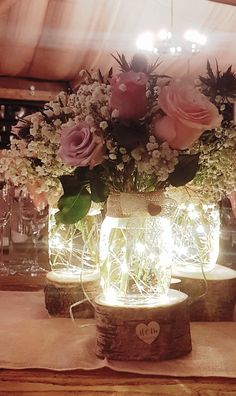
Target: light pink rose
x=128, y=95
x=188, y=114
x=80, y=146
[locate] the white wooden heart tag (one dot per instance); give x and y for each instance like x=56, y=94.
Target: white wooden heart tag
x=148, y=333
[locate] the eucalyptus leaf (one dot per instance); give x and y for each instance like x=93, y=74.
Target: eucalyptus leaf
x=98, y=187
x=98, y=191
x=185, y=170
x=71, y=185
x=73, y=208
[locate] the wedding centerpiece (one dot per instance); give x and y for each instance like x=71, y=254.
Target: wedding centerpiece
x=119, y=136
x=123, y=140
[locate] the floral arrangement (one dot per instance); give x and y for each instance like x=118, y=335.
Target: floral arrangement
x=216, y=176
x=134, y=131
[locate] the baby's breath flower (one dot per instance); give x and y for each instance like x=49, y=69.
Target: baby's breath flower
x=112, y=156
x=122, y=150
x=125, y=158
x=115, y=114
x=103, y=125
x=120, y=167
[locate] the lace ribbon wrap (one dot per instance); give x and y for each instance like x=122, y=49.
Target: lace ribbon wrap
x=135, y=204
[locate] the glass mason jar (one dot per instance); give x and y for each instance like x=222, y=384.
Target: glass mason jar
x=195, y=230
x=74, y=248
x=135, y=249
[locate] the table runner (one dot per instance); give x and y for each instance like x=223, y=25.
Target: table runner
x=30, y=339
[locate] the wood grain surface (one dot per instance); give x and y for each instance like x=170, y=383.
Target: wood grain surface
x=105, y=382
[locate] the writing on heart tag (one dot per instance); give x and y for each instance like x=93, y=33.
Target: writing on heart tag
x=148, y=333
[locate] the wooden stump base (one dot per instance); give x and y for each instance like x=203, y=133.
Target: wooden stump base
x=157, y=332
x=61, y=293
x=220, y=298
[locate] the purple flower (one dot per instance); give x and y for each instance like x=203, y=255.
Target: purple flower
x=81, y=146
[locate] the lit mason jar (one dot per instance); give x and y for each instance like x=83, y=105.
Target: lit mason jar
x=195, y=230
x=135, y=249
x=74, y=248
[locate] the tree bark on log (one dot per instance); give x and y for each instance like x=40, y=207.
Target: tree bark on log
x=60, y=296
x=143, y=332
x=212, y=301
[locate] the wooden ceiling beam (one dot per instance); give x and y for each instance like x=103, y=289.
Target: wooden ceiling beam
x=33, y=90
x=228, y=2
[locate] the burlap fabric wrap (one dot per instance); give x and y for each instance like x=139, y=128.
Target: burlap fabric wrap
x=135, y=204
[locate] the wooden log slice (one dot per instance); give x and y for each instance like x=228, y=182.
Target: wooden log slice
x=143, y=332
x=219, y=296
x=60, y=294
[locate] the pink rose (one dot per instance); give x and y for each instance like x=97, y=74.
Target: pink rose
x=128, y=95
x=80, y=146
x=188, y=114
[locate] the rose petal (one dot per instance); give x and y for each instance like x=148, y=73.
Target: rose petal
x=175, y=133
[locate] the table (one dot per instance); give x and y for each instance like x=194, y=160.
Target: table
x=102, y=382
x=106, y=382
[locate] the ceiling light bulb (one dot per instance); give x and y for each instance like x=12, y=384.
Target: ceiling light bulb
x=202, y=39
x=145, y=41
x=164, y=35
x=195, y=37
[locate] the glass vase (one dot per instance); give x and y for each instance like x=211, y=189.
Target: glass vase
x=195, y=231
x=135, y=250
x=74, y=248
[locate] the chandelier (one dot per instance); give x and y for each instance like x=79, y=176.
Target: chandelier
x=169, y=42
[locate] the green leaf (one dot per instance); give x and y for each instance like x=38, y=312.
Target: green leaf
x=98, y=187
x=71, y=185
x=99, y=192
x=82, y=173
x=73, y=208
x=185, y=170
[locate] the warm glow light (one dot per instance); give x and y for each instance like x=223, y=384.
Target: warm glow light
x=164, y=35
x=140, y=247
x=192, y=212
x=135, y=259
x=145, y=41
x=196, y=237
x=111, y=296
x=124, y=268
x=56, y=242
x=195, y=37
x=164, y=42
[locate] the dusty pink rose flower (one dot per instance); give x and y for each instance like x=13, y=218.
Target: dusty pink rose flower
x=188, y=114
x=128, y=95
x=80, y=146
